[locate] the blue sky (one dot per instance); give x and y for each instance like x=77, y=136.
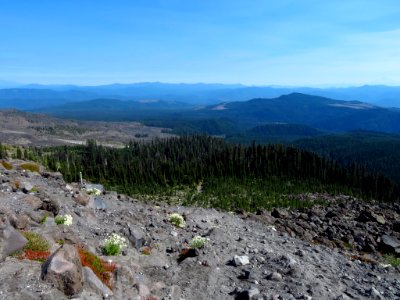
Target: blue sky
x=254, y=42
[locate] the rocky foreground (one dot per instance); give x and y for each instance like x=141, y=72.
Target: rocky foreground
x=325, y=252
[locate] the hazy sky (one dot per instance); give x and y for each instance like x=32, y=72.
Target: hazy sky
x=256, y=42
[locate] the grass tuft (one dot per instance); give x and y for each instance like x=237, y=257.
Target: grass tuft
x=392, y=260
x=30, y=167
x=37, y=247
x=7, y=165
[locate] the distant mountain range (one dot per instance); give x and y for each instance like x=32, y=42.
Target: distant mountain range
x=34, y=96
x=319, y=113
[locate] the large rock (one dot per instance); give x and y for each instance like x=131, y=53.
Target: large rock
x=26, y=187
x=51, y=205
x=10, y=239
x=279, y=213
x=250, y=294
x=64, y=269
x=33, y=202
x=82, y=198
x=390, y=244
x=95, y=283
x=136, y=236
x=396, y=226
x=240, y=260
x=99, y=204
x=53, y=175
x=21, y=221
x=365, y=216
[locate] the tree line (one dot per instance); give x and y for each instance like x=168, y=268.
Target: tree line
x=147, y=168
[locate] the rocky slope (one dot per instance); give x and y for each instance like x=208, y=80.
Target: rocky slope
x=316, y=253
x=28, y=129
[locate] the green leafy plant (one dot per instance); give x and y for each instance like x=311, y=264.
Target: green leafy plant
x=34, y=190
x=114, y=244
x=198, y=242
x=60, y=242
x=43, y=219
x=63, y=220
x=177, y=220
x=392, y=260
x=30, y=167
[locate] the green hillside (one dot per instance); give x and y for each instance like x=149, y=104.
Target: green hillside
x=207, y=171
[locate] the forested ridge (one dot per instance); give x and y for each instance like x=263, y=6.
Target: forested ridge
x=230, y=176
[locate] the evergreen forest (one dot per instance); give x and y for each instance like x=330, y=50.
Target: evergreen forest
x=207, y=171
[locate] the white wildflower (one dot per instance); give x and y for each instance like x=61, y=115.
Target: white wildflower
x=63, y=220
x=197, y=242
x=67, y=220
x=115, y=239
x=93, y=191
x=177, y=220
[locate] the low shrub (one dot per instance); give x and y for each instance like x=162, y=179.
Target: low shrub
x=37, y=247
x=392, y=260
x=100, y=267
x=34, y=255
x=30, y=167
x=6, y=165
x=36, y=241
x=146, y=250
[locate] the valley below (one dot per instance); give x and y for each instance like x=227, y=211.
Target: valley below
x=26, y=129
x=273, y=202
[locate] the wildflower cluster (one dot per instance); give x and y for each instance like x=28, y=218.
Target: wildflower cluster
x=177, y=220
x=197, y=242
x=93, y=191
x=114, y=244
x=63, y=220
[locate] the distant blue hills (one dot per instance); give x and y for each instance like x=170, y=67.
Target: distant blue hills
x=35, y=96
x=216, y=108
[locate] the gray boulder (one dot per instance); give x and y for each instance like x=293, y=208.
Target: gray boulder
x=26, y=187
x=99, y=204
x=51, y=205
x=240, y=260
x=136, y=236
x=10, y=239
x=248, y=294
x=82, y=198
x=279, y=213
x=95, y=283
x=33, y=202
x=64, y=269
x=390, y=244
